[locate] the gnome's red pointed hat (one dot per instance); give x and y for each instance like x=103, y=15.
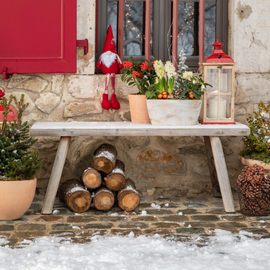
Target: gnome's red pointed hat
x=109, y=44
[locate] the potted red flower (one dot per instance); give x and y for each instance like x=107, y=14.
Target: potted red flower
x=142, y=75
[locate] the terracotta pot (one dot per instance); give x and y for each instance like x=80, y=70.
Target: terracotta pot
x=138, y=109
x=16, y=198
x=174, y=112
x=251, y=162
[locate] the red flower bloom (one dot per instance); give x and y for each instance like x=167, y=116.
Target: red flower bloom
x=135, y=74
x=144, y=66
x=127, y=64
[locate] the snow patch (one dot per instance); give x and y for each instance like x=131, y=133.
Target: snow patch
x=223, y=251
x=155, y=206
x=144, y=213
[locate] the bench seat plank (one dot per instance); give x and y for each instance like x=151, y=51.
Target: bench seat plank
x=130, y=129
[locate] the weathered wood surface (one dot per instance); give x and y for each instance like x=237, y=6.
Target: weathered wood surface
x=103, y=199
x=116, y=180
x=56, y=174
x=105, y=158
x=75, y=195
x=91, y=178
x=128, y=198
x=222, y=173
x=212, y=168
x=68, y=129
x=130, y=129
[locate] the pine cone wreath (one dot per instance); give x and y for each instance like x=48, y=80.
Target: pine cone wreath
x=177, y=93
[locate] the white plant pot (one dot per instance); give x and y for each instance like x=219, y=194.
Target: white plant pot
x=173, y=112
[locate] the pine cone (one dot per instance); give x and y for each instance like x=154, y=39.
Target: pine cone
x=177, y=93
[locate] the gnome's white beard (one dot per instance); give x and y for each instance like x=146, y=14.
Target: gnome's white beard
x=108, y=59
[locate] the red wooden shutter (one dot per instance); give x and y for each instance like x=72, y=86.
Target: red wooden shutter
x=38, y=36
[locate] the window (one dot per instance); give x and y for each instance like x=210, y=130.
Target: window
x=216, y=25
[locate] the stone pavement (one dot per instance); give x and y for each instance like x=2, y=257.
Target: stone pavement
x=179, y=217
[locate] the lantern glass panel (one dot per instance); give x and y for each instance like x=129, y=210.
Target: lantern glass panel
x=226, y=80
x=228, y=106
x=221, y=110
x=212, y=79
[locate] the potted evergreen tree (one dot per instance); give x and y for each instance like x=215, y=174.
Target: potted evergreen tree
x=18, y=163
x=257, y=144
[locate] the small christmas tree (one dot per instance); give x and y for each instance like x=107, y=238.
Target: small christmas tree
x=17, y=161
x=181, y=66
x=257, y=144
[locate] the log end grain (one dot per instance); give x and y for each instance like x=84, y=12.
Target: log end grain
x=128, y=200
x=115, y=181
x=79, y=201
x=103, y=201
x=91, y=178
x=103, y=164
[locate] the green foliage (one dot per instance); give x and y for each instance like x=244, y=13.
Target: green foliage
x=17, y=161
x=140, y=74
x=190, y=85
x=257, y=144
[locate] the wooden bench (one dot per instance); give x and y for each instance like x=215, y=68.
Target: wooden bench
x=211, y=134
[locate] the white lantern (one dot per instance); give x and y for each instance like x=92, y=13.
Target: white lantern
x=219, y=72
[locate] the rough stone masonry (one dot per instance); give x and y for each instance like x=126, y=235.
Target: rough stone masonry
x=160, y=166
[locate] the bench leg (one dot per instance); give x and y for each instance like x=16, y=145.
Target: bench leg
x=212, y=168
x=56, y=173
x=222, y=174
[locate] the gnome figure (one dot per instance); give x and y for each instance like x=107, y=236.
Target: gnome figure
x=109, y=63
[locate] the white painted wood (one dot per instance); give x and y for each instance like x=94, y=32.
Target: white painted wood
x=173, y=112
x=67, y=129
x=222, y=174
x=212, y=168
x=56, y=174
x=131, y=129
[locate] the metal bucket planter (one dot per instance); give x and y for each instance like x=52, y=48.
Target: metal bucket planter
x=173, y=112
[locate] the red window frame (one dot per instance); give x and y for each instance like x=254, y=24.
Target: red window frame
x=147, y=30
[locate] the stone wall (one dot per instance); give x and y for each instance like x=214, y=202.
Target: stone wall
x=160, y=166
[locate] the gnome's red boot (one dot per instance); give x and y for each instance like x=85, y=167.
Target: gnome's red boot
x=105, y=102
x=114, y=102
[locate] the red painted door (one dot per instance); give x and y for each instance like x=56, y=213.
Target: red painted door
x=38, y=36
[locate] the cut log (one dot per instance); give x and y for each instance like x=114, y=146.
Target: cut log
x=105, y=158
x=75, y=195
x=91, y=178
x=128, y=198
x=103, y=199
x=116, y=180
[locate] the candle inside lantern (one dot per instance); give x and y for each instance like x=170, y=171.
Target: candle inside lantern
x=213, y=108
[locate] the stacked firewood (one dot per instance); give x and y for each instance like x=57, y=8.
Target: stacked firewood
x=105, y=181
x=254, y=191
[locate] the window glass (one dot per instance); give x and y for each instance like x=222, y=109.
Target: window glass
x=188, y=27
x=134, y=26
x=112, y=13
